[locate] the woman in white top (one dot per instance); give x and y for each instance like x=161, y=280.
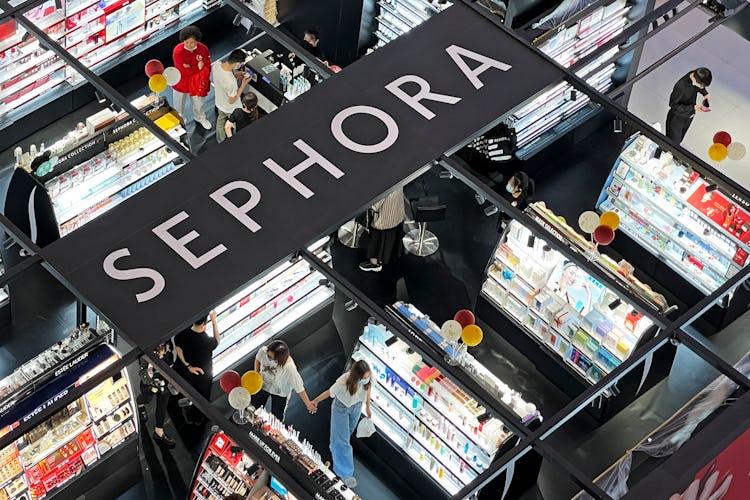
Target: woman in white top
x=280, y=378
x=348, y=392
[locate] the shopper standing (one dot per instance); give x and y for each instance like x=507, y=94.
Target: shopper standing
x=241, y=118
x=153, y=385
x=280, y=378
x=385, y=231
x=193, y=61
x=194, y=348
x=519, y=191
x=349, y=392
x=226, y=91
x=682, y=105
x=310, y=41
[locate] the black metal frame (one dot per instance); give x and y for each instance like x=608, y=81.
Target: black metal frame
x=671, y=330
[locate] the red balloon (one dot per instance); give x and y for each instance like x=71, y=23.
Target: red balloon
x=604, y=235
x=723, y=138
x=229, y=380
x=154, y=67
x=464, y=317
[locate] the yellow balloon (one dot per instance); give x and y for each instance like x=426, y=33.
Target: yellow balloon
x=610, y=219
x=252, y=381
x=157, y=83
x=718, y=152
x=472, y=335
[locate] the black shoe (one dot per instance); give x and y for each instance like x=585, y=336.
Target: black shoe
x=142, y=414
x=370, y=267
x=184, y=402
x=716, y=18
x=164, y=440
x=187, y=416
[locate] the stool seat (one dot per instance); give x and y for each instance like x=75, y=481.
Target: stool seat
x=419, y=241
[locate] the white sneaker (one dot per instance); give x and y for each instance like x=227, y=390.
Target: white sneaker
x=350, y=482
x=205, y=123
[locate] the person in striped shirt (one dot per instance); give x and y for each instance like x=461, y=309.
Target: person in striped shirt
x=385, y=231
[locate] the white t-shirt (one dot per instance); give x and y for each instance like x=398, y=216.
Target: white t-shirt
x=279, y=380
x=225, y=85
x=339, y=391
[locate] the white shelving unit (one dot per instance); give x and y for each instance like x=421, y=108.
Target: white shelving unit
x=397, y=17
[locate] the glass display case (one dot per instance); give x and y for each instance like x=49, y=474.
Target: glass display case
x=400, y=16
x=421, y=412
x=269, y=305
x=674, y=213
x=104, y=161
x=94, y=31
x=44, y=460
x=568, y=45
x=574, y=316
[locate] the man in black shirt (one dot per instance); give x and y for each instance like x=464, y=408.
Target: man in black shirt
x=310, y=42
x=682, y=105
x=194, y=349
x=240, y=118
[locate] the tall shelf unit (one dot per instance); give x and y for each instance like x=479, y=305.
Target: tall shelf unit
x=398, y=17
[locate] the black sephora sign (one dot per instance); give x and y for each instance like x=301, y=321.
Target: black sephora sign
x=158, y=261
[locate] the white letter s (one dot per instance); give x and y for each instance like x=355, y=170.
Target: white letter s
x=136, y=273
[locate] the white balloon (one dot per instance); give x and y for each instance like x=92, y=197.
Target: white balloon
x=239, y=398
x=736, y=151
x=172, y=75
x=588, y=221
x=451, y=330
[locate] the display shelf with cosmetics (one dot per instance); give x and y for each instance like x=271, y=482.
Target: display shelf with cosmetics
x=57, y=452
x=95, y=32
x=397, y=17
x=561, y=108
x=581, y=321
x=103, y=161
x=700, y=231
x=284, y=296
x=442, y=431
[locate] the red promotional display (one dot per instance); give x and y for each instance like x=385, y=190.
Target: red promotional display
x=223, y=470
x=721, y=210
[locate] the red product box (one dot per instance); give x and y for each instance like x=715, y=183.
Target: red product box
x=632, y=319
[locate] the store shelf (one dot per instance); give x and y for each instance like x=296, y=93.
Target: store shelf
x=112, y=410
x=59, y=443
x=26, y=81
x=81, y=7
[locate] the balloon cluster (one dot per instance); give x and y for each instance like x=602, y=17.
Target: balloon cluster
x=601, y=227
x=159, y=76
x=462, y=327
x=723, y=148
x=241, y=388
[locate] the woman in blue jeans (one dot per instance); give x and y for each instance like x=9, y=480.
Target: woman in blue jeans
x=348, y=392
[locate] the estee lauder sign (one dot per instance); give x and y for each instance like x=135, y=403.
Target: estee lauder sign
x=156, y=262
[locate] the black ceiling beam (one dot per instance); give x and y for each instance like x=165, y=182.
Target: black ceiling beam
x=710, y=357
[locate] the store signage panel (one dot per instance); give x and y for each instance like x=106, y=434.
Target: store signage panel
x=175, y=250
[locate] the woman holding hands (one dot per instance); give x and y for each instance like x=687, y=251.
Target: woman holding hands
x=349, y=392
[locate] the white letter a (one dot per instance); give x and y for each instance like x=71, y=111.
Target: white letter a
x=459, y=53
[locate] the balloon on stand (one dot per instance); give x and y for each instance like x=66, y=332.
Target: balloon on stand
x=252, y=381
x=239, y=399
x=736, y=151
x=717, y=152
x=229, y=380
x=157, y=83
x=603, y=235
x=154, y=67
x=588, y=221
x=172, y=75
x=610, y=219
x=722, y=137
x=472, y=335
x=464, y=317
x=451, y=330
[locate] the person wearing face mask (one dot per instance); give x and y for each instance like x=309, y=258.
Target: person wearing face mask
x=682, y=105
x=519, y=191
x=349, y=392
x=280, y=378
x=241, y=118
x=226, y=91
x=193, y=61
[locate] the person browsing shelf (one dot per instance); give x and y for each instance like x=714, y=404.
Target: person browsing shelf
x=228, y=95
x=153, y=385
x=682, y=102
x=280, y=378
x=193, y=61
x=194, y=349
x=350, y=391
x=241, y=118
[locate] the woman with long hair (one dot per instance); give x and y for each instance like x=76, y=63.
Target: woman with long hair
x=280, y=379
x=349, y=392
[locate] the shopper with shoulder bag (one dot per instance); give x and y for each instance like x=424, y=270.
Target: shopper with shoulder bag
x=386, y=221
x=153, y=385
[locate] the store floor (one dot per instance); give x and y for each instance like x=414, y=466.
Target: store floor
x=720, y=51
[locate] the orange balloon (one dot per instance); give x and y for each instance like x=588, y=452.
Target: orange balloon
x=718, y=152
x=472, y=335
x=610, y=219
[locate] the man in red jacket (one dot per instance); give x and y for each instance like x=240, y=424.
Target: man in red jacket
x=194, y=62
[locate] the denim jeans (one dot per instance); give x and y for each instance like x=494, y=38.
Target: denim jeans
x=344, y=421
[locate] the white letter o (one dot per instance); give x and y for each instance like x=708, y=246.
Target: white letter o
x=338, y=132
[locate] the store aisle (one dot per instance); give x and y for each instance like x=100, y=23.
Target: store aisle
x=723, y=52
